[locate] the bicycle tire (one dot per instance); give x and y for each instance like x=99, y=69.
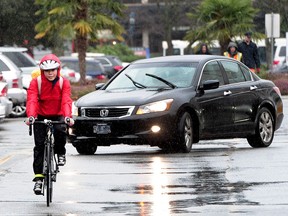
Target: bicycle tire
x=48, y=177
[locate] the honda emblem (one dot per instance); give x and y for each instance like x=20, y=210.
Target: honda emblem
x=104, y=112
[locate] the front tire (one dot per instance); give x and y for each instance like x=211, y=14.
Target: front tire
x=184, y=138
x=264, y=131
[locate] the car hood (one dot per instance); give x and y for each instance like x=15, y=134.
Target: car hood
x=123, y=97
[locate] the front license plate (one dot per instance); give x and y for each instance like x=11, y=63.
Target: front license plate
x=101, y=129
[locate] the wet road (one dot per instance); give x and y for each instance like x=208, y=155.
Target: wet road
x=221, y=177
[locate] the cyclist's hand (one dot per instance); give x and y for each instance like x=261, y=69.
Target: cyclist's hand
x=69, y=121
x=30, y=120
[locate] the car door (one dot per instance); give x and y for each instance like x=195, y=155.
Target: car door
x=215, y=104
x=244, y=95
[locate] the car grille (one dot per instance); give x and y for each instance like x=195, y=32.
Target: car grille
x=107, y=112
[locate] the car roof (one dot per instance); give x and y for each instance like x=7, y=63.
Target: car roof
x=181, y=58
x=13, y=49
x=74, y=58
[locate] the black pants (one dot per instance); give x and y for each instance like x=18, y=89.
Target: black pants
x=39, y=131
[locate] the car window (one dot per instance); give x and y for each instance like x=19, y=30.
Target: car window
x=90, y=66
x=233, y=71
x=104, y=62
x=212, y=71
x=246, y=73
x=282, y=51
x=117, y=60
x=179, y=74
x=3, y=66
x=70, y=64
x=20, y=59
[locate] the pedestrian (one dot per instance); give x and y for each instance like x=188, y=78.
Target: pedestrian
x=232, y=51
x=249, y=50
x=203, y=50
x=48, y=97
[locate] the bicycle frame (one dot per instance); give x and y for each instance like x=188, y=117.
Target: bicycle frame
x=50, y=164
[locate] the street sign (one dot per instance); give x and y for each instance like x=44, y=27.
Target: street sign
x=272, y=25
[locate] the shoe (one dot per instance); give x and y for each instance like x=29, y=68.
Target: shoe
x=38, y=187
x=61, y=160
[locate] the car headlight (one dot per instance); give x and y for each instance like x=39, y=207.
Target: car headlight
x=74, y=110
x=158, y=106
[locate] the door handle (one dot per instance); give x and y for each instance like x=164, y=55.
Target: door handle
x=227, y=93
x=253, y=87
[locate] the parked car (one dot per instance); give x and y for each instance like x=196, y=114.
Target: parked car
x=2, y=112
x=4, y=101
x=94, y=68
x=70, y=74
x=20, y=57
x=175, y=101
x=281, y=69
x=13, y=76
x=112, y=64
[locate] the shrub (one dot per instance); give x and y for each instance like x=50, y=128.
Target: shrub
x=78, y=90
x=281, y=81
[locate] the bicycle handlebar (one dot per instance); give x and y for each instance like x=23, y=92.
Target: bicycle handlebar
x=46, y=122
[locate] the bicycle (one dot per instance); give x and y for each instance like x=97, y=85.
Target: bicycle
x=50, y=164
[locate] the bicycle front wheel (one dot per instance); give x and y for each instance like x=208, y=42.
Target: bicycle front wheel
x=48, y=177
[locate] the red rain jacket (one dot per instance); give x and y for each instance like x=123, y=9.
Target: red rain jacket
x=53, y=101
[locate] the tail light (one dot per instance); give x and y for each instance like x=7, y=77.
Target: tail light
x=276, y=62
x=15, y=83
x=1, y=77
x=71, y=74
x=277, y=90
x=118, y=67
x=101, y=77
x=4, y=92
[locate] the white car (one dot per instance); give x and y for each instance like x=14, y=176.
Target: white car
x=13, y=76
x=20, y=57
x=2, y=112
x=4, y=101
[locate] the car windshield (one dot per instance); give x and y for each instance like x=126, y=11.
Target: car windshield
x=180, y=74
x=21, y=59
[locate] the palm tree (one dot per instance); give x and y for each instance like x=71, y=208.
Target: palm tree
x=80, y=20
x=221, y=20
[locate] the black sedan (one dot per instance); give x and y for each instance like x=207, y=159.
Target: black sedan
x=175, y=101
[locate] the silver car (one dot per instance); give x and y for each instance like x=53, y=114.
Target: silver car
x=13, y=76
x=20, y=57
x=5, y=103
x=2, y=112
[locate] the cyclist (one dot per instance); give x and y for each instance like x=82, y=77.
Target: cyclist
x=48, y=97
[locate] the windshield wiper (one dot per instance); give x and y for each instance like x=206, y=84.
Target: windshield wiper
x=162, y=80
x=139, y=85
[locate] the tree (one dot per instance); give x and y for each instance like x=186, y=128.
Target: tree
x=279, y=7
x=80, y=20
x=171, y=13
x=17, y=19
x=222, y=20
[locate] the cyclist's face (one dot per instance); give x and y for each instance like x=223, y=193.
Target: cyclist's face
x=50, y=74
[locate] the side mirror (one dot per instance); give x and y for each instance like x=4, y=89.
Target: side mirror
x=99, y=86
x=210, y=84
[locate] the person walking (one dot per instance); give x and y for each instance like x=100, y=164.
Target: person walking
x=249, y=50
x=203, y=50
x=232, y=51
x=48, y=97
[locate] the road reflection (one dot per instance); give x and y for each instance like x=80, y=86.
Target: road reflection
x=160, y=203
x=159, y=182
